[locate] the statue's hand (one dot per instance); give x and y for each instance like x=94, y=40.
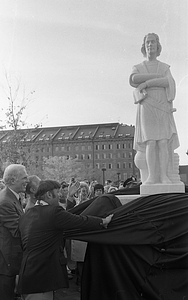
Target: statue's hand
x=142, y=87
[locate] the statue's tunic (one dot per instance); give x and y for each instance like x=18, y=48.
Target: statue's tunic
x=154, y=120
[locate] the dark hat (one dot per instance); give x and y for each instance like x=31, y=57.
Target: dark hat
x=98, y=186
x=45, y=186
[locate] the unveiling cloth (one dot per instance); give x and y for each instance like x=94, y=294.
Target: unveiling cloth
x=143, y=254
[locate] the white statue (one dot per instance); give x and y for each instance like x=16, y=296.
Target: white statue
x=155, y=134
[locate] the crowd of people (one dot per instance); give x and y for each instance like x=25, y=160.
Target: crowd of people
x=35, y=260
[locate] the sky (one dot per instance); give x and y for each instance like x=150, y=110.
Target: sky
x=77, y=56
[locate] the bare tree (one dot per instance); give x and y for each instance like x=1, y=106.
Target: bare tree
x=12, y=146
x=18, y=100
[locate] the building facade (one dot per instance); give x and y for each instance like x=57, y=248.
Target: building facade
x=183, y=171
x=107, y=147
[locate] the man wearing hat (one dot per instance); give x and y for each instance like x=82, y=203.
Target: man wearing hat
x=43, y=268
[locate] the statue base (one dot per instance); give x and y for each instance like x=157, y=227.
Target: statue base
x=124, y=199
x=150, y=189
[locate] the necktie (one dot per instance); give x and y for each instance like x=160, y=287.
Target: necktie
x=20, y=200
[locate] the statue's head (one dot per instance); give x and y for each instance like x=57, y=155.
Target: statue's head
x=159, y=47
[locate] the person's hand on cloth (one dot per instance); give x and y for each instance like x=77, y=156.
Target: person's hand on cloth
x=107, y=220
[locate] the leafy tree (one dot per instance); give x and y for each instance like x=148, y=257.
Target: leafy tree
x=112, y=175
x=89, y=173
x=60, y=168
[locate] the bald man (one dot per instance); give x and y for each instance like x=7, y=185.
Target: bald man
x=15, y=178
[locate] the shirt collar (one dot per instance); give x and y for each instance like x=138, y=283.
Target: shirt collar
x=16, y=194
x=41, y=202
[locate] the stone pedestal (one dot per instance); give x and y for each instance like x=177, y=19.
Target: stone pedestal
x=124, y=199
x=176, y=186
x=150, y=189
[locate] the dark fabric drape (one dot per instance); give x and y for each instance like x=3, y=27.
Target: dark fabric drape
x=144, y=252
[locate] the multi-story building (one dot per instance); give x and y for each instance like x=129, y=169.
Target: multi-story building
x=108, y=146
x=183, y=171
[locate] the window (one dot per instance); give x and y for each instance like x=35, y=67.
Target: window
x=89, y=156
x=42, y=137
x=103, y=147
x=77, y=148
x=109, y=166
x=89, y=147
x=76, y=156
x=62, y=148
x=97, y=156
x=124, y=165
x=124, y=154
x=97, y=166
x=118, y=165
x=130, y=165
x=68, y=148
x=110, y=146
x=50, y=136
x=82, y=156
x=124, y=146
x=124, y=176
x=118, y=146
x=61, y=136
x=129, y=145
x=119, y=155
x=109, y=155
x=130, y=154
x=83, y=147
x=97, y=147
x=56, y=149
x=103, y=155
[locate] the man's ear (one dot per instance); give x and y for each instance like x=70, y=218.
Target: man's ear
x=32, y=190
x=13, y=180
x=49, y=194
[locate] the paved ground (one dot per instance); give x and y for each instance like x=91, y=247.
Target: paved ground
x=68, y=294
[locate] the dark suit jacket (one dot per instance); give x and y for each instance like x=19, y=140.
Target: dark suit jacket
x=10, y=246
x=44, y=265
